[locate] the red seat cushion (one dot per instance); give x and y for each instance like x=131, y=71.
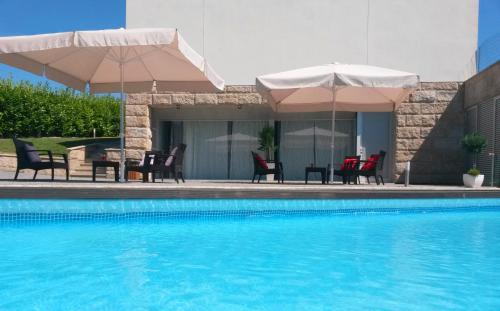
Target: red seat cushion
x=261, y=162
x=371, y=163
x=349, y=163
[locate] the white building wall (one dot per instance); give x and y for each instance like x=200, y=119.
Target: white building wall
x=246, y=38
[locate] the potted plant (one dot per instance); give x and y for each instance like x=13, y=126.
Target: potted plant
x=266, y=144
x=473, y=144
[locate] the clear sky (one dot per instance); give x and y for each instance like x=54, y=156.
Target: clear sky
x=489, y=19
x=24, y=17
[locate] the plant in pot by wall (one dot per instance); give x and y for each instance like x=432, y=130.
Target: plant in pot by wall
x=473, y=144
x=266, y=141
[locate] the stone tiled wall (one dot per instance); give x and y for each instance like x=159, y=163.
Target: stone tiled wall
x=428, y=128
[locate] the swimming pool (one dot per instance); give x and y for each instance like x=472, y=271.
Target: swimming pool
x=250, y=254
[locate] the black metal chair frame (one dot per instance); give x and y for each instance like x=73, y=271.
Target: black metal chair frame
x=132, y=165
x=347, y=172
x=261, y=171
x=174, y=169
x=24, y=162
x=376, y=171
x=154, y=162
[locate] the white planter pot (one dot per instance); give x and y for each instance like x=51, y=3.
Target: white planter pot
x=473, y=181
x=271, y=166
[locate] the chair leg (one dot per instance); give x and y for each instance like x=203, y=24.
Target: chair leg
x=17, y=174
x=381, y=179
x=34, y=176
x=368, y=179
x=258, y=180
x=376, y=180
x=253, y=178
x=182, y=177
x=52, y=174
x=67, y=174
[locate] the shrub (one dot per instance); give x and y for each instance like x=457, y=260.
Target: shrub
x=37, y=110
x=266, y=141
x=474, y=144
x=474, y=172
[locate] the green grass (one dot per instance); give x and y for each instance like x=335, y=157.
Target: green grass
x=54, y=144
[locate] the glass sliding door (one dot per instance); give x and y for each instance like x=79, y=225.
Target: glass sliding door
x=244, y=139
x=296, y=147
x=345, y=133
x=222, y=149
x=206, y=155
x=309, y=142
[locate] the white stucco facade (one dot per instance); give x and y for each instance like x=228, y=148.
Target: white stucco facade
x=243, y=38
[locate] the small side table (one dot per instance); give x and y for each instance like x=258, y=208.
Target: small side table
x=315, y=169
x=99, y=163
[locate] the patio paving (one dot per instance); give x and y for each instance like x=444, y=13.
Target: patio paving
x=85, y=188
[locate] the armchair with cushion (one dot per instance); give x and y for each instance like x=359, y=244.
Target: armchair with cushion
x=143, y=166
x=347, y=169
x=372, y=167
x=29, y=158
x=170, y=164
x=260, y=168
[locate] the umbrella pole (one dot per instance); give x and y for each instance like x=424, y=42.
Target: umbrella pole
x=122, y=126
x=314, y=142
x=333, y=133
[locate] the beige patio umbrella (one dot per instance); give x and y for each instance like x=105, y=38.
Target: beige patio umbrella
x=118, y=60
x=336, y=87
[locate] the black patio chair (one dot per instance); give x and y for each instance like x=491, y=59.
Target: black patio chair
x=170, y=164
x=347, y=169
x=144, y=166
x=260, y=168
x=29, y=158
x=372, y=167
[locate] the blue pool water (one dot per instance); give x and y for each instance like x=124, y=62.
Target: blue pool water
x=250, y=255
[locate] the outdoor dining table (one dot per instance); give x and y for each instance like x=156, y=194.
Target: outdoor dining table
x=316, y=169
x=103, y=163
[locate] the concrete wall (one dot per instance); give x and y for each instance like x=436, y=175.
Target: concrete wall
x=243, y=38
x=482, y=104
x=483, y=86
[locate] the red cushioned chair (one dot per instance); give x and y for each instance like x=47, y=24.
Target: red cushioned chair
x=372, y=167
x=347, y=169
x=260, y=168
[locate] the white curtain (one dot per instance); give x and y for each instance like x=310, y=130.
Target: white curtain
x=244, y=139
x=345, y=132
x=207, y=149
x=296, y=147
x=302, y=142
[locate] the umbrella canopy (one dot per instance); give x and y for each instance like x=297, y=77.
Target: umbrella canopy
x=358, y=88
x=81, y=58
x=118, y=60
x=336, y=87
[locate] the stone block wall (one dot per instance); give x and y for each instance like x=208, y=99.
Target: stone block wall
x=138, y=106
x=428, y=128
x=137, y=125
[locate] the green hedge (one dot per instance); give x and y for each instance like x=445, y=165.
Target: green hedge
x=38, y=111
